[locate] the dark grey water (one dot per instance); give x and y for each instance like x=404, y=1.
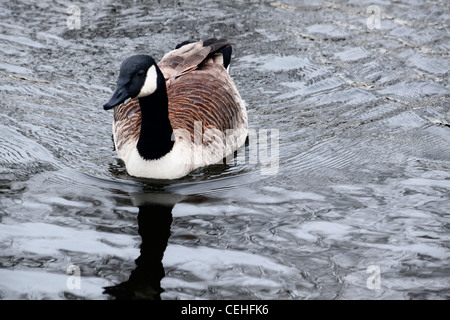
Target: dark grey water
x=362, y=180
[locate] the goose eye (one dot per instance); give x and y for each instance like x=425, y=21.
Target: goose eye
x=140, y=73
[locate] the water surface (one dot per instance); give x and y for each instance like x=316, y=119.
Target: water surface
x=363, y=175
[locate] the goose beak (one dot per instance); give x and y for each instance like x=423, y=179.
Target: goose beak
x=119, y=96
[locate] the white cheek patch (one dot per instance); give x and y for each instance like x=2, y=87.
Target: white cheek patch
x=150, y=83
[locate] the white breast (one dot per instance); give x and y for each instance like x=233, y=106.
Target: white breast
x=187, y=155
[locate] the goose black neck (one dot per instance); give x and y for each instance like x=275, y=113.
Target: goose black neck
x=155, y=139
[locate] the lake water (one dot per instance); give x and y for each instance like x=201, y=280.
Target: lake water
x=353, y=203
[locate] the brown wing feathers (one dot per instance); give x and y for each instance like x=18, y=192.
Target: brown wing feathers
x=203, y=95
x=127, y=121
x=190, y=56
x=206, y=93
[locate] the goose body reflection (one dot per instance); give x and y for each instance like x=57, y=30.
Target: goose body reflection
x=154, y=221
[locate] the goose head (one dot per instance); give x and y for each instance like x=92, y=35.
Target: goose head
x=139, y=77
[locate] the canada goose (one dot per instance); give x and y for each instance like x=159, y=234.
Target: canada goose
x=180, y=114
